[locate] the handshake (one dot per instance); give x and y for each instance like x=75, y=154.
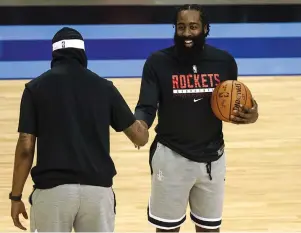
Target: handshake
x=138, y=133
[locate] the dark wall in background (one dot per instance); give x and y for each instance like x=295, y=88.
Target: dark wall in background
x=144, y=14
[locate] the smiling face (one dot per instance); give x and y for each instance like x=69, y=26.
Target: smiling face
x=190, y=32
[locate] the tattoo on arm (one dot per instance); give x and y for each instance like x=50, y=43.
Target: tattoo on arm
x=137, y=133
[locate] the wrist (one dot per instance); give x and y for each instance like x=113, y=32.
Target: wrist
x=143, y=123
x=15, y=197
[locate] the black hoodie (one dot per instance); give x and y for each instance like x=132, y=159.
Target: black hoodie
x=70, y=109
x=180, y=92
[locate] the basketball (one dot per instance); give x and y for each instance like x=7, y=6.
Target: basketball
x=227, y=97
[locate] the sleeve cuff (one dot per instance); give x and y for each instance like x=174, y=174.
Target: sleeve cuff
x=125, y=126
x=144, y=117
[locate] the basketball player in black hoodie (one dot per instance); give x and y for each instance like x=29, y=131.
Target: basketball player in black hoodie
x=69, y=110
x=187, y=157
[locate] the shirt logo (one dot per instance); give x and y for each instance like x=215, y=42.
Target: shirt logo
x=160, y=175
x=194, y=85
x=195, y=69
x=196, y=100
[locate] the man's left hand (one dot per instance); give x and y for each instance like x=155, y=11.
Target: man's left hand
x=245, y=115
x=17, y=208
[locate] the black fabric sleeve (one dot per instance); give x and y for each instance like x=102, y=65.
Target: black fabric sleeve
x=121, y=115
x=28, y=116
x=149, y=95
x=233, y=70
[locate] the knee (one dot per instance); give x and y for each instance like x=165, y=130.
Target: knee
x=200, y=229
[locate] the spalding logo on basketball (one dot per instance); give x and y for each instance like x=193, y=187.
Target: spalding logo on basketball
x=227, y=97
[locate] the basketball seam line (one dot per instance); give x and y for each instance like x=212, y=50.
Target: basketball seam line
x=217, y=102
x=231, y=101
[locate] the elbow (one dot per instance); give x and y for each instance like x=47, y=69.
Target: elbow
x=23, y=153
x=25, y=156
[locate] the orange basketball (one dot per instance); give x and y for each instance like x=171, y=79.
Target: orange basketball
x=228, y=96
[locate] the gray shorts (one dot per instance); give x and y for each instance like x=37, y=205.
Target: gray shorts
x=84, y=208
x=177, y=181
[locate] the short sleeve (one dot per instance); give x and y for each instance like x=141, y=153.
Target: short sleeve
x=121, y=115
x=233, y=70
x=27, y=117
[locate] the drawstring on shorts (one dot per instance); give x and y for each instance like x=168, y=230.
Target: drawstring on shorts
x=208, y=167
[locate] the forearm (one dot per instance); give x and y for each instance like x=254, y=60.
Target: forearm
x=147, y=105
x=22, y=166
x=23, y=162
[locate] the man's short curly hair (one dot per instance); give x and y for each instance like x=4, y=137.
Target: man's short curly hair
x=199, y=8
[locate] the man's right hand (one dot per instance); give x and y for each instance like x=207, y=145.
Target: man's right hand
x=143, y=123
x=137, y=133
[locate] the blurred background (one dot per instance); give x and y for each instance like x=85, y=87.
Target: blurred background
x=263, y=35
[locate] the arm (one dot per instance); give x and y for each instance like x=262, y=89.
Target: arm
x=23, y=162
x=233, y=70
x=24, y=155
x=122, y=119
x=244, y=115
x=26, y=143
x=147, y=105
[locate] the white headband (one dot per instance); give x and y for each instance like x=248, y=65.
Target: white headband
x=64, y=44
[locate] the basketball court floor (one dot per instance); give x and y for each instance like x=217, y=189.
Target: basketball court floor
x=263, y=183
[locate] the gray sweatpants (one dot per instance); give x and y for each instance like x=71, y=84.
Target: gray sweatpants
x=177, y=181
x=84, y=208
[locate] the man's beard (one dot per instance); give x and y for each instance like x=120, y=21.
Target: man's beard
x=189, y=53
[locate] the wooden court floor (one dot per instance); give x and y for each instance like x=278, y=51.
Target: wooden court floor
x=263, y=183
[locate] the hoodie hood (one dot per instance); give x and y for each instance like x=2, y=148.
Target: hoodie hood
x=68, y=46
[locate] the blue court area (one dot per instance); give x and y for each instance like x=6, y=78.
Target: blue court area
x=120, y=50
